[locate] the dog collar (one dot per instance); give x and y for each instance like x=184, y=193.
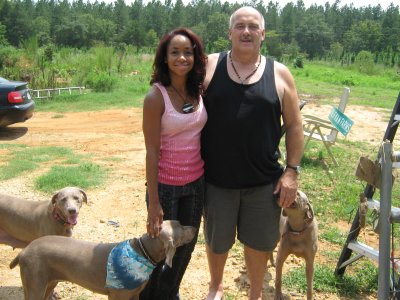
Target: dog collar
x=307, y=221
x=59, y=216
x=145, y=253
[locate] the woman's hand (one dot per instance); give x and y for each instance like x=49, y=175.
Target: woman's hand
x=154, y=219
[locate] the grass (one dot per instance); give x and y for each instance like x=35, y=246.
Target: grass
x=355, y=286
x=333, y=235
x=322, y=80
x=129, y=92
x=86, y=175
x=66, y=167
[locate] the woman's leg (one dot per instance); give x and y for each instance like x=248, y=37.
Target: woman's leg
x=184, y=204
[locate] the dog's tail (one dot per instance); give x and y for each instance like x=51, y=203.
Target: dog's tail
x=14, y=262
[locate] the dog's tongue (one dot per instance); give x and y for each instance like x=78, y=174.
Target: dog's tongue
x=73, y=219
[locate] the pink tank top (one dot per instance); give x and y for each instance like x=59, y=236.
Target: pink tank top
x=180, y=160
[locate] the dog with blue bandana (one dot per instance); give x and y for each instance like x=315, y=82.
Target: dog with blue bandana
x=119, y=270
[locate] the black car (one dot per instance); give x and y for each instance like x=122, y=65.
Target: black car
x=16, y=104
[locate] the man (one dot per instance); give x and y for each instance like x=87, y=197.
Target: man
x=246, y=96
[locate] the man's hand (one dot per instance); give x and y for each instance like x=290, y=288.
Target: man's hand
x=286, y=188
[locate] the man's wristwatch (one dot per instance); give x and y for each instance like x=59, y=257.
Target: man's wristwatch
x=295, y=168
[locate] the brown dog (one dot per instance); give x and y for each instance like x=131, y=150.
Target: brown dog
x=22, y=221
x=50, y=259
x=299, y=236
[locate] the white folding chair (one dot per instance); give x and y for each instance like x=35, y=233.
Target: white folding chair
x=323, y=130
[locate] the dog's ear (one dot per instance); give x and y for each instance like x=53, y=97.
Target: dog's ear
x=169, y=251
x=54, y=198
x=310, y=212
x=84, y=195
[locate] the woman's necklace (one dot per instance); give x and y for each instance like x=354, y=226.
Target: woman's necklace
x=236, y=72
x=187, y=107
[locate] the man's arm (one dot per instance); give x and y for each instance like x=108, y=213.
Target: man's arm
x=294, y=138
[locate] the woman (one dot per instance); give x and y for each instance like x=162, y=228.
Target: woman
x=173, y=117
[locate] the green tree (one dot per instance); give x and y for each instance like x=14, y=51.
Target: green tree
x=41, y=28
x=17, y=22
x=151, y=39
x=271, y=17
x=133, y=34
x=121, y=15
x=273, y=44
x=391, y=28
x=364, y=35
x=177, y=18
x=216, y=28
x=336, y=51
x=288, y=24
x=3, y=40
x=72, y=33
x=221, y=44
x=314, y=36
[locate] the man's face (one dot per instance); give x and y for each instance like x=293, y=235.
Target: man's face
x=246, y=31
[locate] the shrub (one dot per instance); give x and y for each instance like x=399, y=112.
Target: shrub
x=101, y=81
x=299, y=62
x=365, y=62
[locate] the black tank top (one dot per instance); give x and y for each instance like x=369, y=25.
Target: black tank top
x=240, y=142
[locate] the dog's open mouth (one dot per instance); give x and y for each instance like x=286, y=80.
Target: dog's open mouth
x=73, y=219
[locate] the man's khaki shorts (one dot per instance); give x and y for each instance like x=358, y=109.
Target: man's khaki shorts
x=253, y=213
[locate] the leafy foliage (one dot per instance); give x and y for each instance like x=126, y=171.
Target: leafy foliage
x=100, y=81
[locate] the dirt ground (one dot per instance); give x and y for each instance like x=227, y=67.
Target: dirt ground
x=114, y=139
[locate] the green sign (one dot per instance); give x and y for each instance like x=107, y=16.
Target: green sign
x=340, y=121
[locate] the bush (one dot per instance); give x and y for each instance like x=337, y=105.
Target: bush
x=365, y=62
x=299, y=62
x=101, y=82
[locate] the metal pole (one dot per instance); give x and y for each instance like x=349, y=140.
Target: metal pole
x=384, y=220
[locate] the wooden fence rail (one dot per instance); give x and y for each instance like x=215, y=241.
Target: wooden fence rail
x=47, y=93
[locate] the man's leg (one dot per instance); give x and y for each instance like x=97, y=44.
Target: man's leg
x=216, y=265
x=258, y=229
x=256, y=262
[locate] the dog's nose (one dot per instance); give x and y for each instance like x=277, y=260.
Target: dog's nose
x=72, y=210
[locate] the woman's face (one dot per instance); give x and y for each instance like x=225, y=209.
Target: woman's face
x=180, y=56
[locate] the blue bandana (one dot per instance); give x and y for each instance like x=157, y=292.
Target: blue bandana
x=126, y=269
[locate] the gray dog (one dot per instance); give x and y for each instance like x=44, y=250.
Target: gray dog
x=22, y=221
x=299, y=236
x=119, y=270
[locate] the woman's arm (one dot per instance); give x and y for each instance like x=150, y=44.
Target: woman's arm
x=153, y=108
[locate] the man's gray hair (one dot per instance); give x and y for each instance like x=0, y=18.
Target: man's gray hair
x=231, y=19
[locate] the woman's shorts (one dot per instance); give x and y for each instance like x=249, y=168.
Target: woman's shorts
x=253, y=213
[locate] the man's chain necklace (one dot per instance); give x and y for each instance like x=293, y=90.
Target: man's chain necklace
x=237, y=73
